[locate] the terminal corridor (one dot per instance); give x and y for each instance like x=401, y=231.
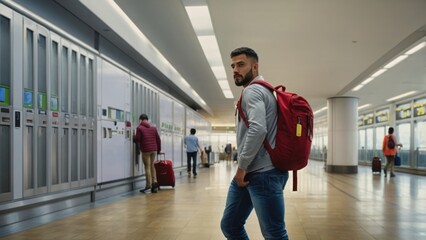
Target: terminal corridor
x=326, y=206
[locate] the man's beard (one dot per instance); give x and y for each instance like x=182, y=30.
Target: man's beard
x=246, y=79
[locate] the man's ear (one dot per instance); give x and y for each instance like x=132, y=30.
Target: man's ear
x=256, y=67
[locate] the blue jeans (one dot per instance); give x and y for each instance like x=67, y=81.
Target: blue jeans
x=192, y=155
x=265, y=194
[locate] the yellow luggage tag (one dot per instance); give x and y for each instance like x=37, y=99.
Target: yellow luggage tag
x=298, y=128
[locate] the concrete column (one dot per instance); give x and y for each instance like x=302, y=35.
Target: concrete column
x=342, y=152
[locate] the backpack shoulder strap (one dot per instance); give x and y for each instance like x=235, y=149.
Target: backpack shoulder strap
x=240, y=110
x=264, y=83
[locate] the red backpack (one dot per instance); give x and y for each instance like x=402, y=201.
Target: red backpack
x=294, y=135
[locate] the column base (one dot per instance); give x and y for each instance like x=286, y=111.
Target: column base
x=341, y=169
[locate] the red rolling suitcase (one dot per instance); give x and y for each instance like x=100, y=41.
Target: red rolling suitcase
x=376, y=165
x=164, y=171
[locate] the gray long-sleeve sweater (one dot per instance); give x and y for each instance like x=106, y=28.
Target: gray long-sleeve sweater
x=260, y=108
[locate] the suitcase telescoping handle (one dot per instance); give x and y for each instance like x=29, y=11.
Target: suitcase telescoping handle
x=161, y=154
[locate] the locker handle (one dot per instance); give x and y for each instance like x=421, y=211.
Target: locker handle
x=110, y=132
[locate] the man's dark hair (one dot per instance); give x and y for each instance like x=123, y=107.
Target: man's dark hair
x=390, y=131
x=143, y=117
x=193, y=131
x=250, y=53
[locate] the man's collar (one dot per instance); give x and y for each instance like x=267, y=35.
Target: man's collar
x=257, y=78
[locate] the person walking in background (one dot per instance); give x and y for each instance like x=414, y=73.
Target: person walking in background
x=257, y=183
x=389, y=148
x=234, y=154
x=150, y=145
x=192, y=147
x=228, y=152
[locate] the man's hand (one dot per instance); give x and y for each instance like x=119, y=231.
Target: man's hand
x=239, y=178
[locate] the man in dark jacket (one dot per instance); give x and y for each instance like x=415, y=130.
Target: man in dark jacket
x=150, y=144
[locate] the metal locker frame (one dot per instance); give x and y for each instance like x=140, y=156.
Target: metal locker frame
x=5, y=196
x=34, y=188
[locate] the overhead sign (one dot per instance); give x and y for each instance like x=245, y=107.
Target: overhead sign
x=360, y=120
x=403, y=111
x=368, y=119
x=382, y=116
x=419, y=107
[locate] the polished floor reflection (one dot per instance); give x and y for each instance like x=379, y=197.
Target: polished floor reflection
x=326, y=206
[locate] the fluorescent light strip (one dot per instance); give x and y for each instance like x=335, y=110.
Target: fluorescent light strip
x=367, y=80
x=228, y=93
x=416, y=48
x=390, y=65
x=320, y=110
x=364, y=106
x=358, y=87
x=219, y=72
x=200, y=19
x=395, y=61
x=401, y=96
x=379, y=72
x=124, y=26
x=201, y=22
x=224, y=84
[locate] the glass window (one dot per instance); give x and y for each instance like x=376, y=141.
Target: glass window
x=29, y=70
x=42, y=64
x=64, y=155
x=420, y=143
x=361, y=139
x=54, y=77
x=361, y=145
x=369, y=144
x=41, y=73
x=91, y=90
x=380, y=134
x=5, y=58
x=74, y=83
x=64, y=79
x=403, y=134
x=83, y=86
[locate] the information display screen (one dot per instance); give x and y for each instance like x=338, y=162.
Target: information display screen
x=403, y=111
x=419, y=107
x=382, y=116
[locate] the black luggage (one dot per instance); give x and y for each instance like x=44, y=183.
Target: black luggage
x=376, y=165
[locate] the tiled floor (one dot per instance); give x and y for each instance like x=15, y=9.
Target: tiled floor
x=326, y=206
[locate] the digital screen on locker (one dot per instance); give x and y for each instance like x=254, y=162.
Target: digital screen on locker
x=28, y=98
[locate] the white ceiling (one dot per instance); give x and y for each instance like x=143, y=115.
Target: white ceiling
x=318, y=49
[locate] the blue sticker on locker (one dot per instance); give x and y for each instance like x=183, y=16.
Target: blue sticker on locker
x=2, y=94
x=28, y=99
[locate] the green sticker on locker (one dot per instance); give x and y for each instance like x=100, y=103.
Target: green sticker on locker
x=42, y=101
